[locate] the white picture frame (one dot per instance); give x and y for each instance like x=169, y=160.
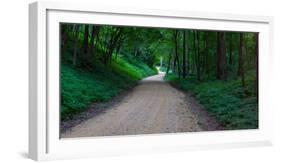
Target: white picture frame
x=44, y=141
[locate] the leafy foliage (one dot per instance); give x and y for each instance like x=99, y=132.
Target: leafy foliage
x=134, y=69
x=233, y=106
x=218, y=67
x=80, y=88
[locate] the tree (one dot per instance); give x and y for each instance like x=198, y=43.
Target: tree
x=119, y=44
x=241, y=60
x=176, y=58
x=169, y=63
x=197, y=53
x=184, y=55
x=198, y=56
x=86, y=40
x=206, y=52
x=230, y=49
x=221, y=57
x=64, y=32
x=95, y=30
x=256, y=37
x=76, y=34
x=187, y=53
x=194, y=51
x=111, y=45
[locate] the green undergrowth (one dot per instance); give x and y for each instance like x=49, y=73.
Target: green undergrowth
x=80, y=88
x=134, y=69
x=232, y=105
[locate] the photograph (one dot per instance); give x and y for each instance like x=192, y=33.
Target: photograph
x=133, y=80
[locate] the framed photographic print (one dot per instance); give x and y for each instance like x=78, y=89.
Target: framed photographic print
x=110, y=80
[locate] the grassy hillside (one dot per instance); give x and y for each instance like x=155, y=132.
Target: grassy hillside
x=233, y=106
x=80, y=88
x=133, y=69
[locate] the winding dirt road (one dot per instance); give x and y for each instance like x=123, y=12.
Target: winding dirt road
x=153, y=106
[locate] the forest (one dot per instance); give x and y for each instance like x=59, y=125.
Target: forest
x=219, y=68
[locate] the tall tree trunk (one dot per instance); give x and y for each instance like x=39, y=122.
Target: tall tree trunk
x=176, y=53
x=112, y=44
x=218, y=66
x=239, y=72
x=198, y=56
x=230, y=50
x=194, y=65
x=257, y=62
x=187, y=54
x=173, y=64
x=184, y=55
x=221, y=57
x=179, y=68
x=204, y=57
x=169, y=63
x=223, y=60
x=86, y=40
x=64, y=32
x=94, y=32
x=174, y=56
x=76, y=35
x=207, y=62
x=241, y=60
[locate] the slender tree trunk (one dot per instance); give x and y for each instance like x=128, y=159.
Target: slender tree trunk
x=239, y=72
x=207, y=54
x=112, y=44
x=98, y=41
x=241, y=60
x=184, y=55
x=223, y=60
x=221, y=57
x=174, y=57
x=198, y=56
x=173, y=64
x=176, y=53
x=94, y=32
x=169, y=63
x=230, y=50
x=64, y=32
x=187, y=54
x=86, y=41
x=76, y=35
x=194, y=65
x=257, y=62
x=218, y=65
x=179, y=68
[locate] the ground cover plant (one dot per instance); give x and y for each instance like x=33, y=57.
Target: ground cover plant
x=220, y=69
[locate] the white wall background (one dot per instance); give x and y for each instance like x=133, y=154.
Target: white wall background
x=14, y=81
